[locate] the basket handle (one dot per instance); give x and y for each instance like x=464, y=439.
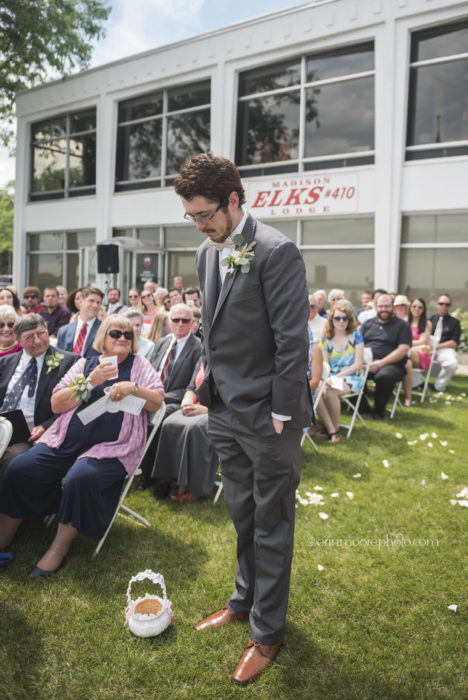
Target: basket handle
x=141, y=576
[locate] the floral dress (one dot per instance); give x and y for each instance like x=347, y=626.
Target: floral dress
x=339, y=359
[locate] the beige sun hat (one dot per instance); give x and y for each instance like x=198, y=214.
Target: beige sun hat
x=401, y=299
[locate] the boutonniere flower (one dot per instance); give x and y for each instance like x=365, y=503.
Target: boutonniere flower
x=80, y=391
x=53, y=361
x=241, y=256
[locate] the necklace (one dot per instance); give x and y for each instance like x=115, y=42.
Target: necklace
x=8, y=347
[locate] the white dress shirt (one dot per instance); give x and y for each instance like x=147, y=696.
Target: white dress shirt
x=79, y=324
x=26, y=403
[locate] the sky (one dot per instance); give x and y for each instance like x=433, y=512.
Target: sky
x=139, y=25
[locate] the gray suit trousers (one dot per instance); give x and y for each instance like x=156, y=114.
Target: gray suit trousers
x=260, y=476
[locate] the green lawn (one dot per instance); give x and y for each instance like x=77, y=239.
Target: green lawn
x=373, y=623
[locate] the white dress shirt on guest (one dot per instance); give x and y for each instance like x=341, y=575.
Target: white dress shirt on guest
x=26, y=403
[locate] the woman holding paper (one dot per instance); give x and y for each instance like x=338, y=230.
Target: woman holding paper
x=343, y=348
x=94, y=455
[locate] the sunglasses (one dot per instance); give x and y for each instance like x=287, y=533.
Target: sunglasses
x=134, y=296
x=114, y=333
x=31, y=296
x=341, y=318
x=444, y=303
x=145, y=296
x=10, y=324
x=181, y=320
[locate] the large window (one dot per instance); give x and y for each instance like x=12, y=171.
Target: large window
x=438, y=94
x=434, y=257
x=306, y=114
x=63, y=156
x=158, y=132
x=58, y=258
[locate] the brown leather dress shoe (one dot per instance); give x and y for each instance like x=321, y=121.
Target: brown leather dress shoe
x=255, y=660
x=220, y=618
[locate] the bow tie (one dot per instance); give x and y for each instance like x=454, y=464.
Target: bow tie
x=228, y=243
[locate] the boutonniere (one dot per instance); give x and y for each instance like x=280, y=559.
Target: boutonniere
x=80, y=390
x=53, y=361
x=241, y=256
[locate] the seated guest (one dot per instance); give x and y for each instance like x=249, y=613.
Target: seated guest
x=159, y=326
x=366, y=297
x=178, y=283
x=343, y=349
x=74, y=301
x=447, y=331
x=316, y=322
x=145, y=346
x=401, y=306
x=9, y=298
x=420, y=353
x=32, y=300
x=92, y=460
x=134, y=299
x=27, y=379
x=185, y=457
x=148, y=308
x=335, y=295
x=9, y=343
x=175, y=297
x=192, y=297
x=197, y=328
x=174, y=358
x=62, y=295
x=114, y=305
x=371, y=312
x=54, y=315
x=321, y=297
x=78, y=337
x=159, y=295
x=389, y=338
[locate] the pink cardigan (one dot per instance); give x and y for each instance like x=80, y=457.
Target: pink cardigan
x=129, y=446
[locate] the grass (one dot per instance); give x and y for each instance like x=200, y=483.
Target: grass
x=373, y=623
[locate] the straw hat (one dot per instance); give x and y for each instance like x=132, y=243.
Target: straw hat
x=401, y=299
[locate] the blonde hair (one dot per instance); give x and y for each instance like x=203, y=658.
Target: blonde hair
x=156, y=330
x=114, y=321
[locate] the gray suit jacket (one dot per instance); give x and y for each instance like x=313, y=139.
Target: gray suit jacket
x=255, y=333
x=179, y=379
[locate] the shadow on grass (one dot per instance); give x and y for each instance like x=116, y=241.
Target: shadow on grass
x=18, y=670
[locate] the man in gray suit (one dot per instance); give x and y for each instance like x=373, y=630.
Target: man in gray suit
x=255, y=311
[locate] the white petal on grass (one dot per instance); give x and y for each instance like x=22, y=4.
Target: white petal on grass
x=464, y=504
x=412, y=442
x=453, y=607
x=385, y=463
x=443, y=475
x=423, y=482
x=320, y=567
x=323, y=516
x=315, y=499
x=433, y=435
x=453, y=502
x=356, y=476
x=424, y=436
x=463, y=394
x=350, y=495
x=429, y=444
x=463, y=493
x=448, y=403
x=334, y=495
x=398, y=435
x=443, y=443
x=318, y=488
x=452, y=452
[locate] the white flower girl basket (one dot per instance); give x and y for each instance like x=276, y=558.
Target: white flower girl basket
x=148, y=616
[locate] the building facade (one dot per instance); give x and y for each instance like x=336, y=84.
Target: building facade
x=348, y=120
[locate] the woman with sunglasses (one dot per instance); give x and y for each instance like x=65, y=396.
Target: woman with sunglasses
x=420, y=353
x=92, y=458
x=149, y=309
x=134, y=299
x=8, y=341
x=343, y=349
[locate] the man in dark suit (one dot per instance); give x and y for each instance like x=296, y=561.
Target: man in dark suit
x=174, y=358
x=78, y=337
x=447, y=331
x=34, y=398
x=256, y=348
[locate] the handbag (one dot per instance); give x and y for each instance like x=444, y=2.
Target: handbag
x=150, y=615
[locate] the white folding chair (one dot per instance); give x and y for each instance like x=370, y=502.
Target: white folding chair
x=154, y=419
x=219, y=486
x=325, y=372
x=425, y=374
x=352, y=400
x=6, y=431
x=396, y=399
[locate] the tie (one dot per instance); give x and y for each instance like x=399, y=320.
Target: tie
x=172, y=356
x=438, y=330
x=164, y=373
x=27, y=379
x=228, y=243
x=78, y=349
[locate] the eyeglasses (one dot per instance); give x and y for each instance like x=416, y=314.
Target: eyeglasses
x=114, y=333
x=180, y=320
x=145, y=296
x=30, y=336
x=444, y=303
x=194, y=218
x=341, y=318
x=133, y=296
x=10, y=324
x=312, y=306
x=31, y=296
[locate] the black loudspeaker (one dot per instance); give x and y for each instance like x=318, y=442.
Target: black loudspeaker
x=107, y=258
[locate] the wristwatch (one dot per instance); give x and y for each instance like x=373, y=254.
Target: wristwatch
x=135, y=390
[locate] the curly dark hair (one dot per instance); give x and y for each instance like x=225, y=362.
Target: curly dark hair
x=352, y=325
x=209, y=176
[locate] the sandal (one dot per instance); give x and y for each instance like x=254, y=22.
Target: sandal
x=187, y=498
x=317, y=431
x=174, y=495
x=335, y=437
